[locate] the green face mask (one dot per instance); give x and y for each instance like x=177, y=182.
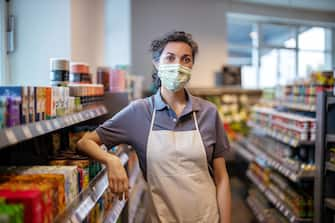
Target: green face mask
x=174, y=76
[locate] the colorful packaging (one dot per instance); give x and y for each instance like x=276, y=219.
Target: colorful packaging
x=31, y=95
x=48, y=103
x=25, y=106
x=56, y=180
x=11, y=213
x=46, y=190
x=31, y=200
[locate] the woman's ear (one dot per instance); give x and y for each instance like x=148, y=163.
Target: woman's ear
x=156, y=64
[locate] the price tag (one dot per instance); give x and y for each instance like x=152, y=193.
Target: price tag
x=84, y=208
x=286, y=212
x=56, y=123
x=39, y=128
x=11, y=136
x=81, y=117
x=26, y=132
x=92, y=113
x=48, y=125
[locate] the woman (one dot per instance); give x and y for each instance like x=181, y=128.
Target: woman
x=178, y=138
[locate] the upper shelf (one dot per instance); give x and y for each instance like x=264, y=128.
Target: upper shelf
x=282, y=138
x=223, y=90
x=20, y=133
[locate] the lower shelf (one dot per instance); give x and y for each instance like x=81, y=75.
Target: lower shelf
x=276, y=201
x=81, y=206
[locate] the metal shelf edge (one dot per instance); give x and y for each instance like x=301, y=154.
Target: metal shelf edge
x=81, y=206
x=20, y=133
x=279, y=205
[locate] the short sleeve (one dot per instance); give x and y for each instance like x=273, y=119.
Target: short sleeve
x=222, y=143
x=116, y=130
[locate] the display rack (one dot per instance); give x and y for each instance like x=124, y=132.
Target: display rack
x=291, y=105
x=276, y=201
x=117, y=207
x=252, y=153
x=17, y=134
x=280, y=137
x=324, y=193
x=81, y=206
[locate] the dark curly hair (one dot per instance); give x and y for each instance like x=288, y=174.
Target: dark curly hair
x=157, y=46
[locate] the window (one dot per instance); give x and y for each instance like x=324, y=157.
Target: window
x=274, y=54
x=2, y=41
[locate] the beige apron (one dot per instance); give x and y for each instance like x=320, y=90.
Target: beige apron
x=179, y=185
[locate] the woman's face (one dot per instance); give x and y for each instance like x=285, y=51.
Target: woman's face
x=177, y=53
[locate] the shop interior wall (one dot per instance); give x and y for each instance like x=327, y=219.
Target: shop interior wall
x=42, y=31
x=206, y=20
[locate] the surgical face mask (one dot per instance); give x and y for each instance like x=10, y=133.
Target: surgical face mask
x=174, y=76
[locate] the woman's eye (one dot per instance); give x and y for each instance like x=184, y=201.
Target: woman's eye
x=170, y=58
x=187, y=60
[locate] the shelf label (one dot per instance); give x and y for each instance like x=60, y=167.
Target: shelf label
x=38, y=128
x=48, y=125
x=56, y=123
x=81, y=117
x=26, y=132
x=11, y=136
x=84, y=208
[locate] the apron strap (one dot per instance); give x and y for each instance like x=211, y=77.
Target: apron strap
x=195, y=121
x=152, y=120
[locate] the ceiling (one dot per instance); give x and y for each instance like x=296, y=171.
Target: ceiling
x=326, y=5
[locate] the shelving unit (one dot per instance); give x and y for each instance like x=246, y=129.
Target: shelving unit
x=252, y=153
x=282, y=138
x=117, y=207
x=291, y=105
x=81, y=206
x=17, y=134
x=27, y=138
x=276, y=201
x=324, y=193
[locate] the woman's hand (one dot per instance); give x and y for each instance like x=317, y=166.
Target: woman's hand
x=117, y=176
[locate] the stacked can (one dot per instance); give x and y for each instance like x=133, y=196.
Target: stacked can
x=80, y=73
x=117, y=80
x=103, y=76
x=59, y=72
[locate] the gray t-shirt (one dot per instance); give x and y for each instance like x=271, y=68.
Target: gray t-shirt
x=132, y=125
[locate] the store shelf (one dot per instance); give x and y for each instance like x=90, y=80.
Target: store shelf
x=278, y=165
x=244, y=153
x=81, y=206
x=113, y=215
x=259, y=215
x=330, y=203
x=330, y=138
x=277, y=202
x=17, y=134
x=330, y=166
x=282, y=138
x=291, y=105
x=223, y=90
x=135, y=199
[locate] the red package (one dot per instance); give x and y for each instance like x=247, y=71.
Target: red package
x=31, y=200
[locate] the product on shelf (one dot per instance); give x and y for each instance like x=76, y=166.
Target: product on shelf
x=45, y=189
x=234, y=112
x=30, y=199
x=103, y=77
x=332, y=155
x=79, y=73
x=59, y=72
x=117, y=79
x=87, y=93
x=11, y=213
x=298, y=127
x=298, y=201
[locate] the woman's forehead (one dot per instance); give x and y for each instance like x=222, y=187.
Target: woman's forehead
x=177, y=48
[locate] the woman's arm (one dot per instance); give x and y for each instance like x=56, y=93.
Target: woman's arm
x=118, y=180
x=222, y=189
